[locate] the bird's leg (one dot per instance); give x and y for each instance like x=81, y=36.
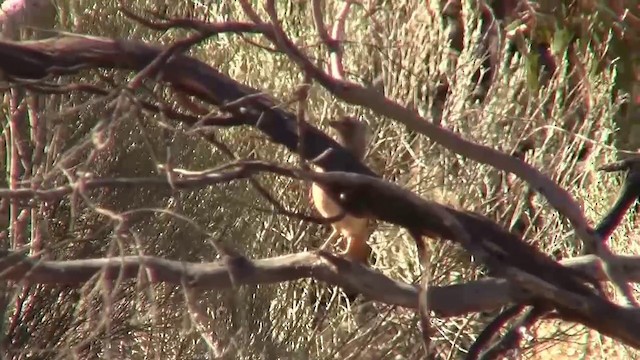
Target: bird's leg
x=347, y=245
x=357, y=248
x=332, y=238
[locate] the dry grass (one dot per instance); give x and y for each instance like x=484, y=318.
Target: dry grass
x=272, y=322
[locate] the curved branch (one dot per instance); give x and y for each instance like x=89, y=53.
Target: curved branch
x=446, y=301
x=452, y=300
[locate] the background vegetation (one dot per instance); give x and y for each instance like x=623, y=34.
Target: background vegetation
x=571, y=122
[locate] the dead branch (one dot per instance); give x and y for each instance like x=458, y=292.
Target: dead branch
x=628, y=195
x=492, y=330
x=36, y=60
x=453, y=300
x=511, y=341
x=183, y=181
x=359, y=195
x=446, y=301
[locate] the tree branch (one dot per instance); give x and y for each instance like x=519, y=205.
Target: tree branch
x=446, y=301
x=452, y=300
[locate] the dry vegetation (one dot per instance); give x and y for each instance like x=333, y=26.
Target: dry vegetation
x=408, y=45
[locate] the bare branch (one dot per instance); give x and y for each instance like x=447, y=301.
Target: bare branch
x=492, y=330
x=35, y=60
x=453, y=300
x=628, y=195
x=336, y=63
x=202, y=27
x=321, y=27
x=511, y=341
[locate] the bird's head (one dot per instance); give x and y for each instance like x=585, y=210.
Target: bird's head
x=349, y=127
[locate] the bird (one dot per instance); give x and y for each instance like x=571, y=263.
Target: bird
x=355, y=231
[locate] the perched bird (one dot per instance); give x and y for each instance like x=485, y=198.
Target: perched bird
x=355, y=231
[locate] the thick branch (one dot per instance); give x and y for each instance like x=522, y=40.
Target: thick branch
x=452, y=300
x=36, y=60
